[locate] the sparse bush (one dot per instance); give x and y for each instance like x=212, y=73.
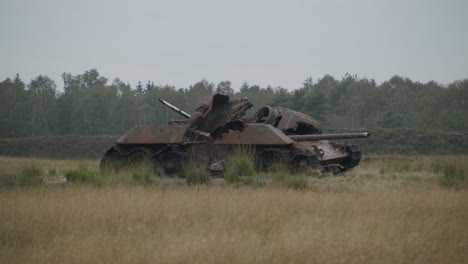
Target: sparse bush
x=240, y=165
x=84, y=175
x=196, y=175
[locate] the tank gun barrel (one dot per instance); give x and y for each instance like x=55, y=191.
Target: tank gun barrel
x=175, y=109
x=329, y=136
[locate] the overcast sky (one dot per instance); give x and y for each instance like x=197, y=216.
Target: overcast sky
x=280, y=43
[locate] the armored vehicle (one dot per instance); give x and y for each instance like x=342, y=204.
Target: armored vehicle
x=216, y=127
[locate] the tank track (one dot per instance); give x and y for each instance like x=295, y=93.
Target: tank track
x=166, y=160
x=354, y=157
x=314, y=162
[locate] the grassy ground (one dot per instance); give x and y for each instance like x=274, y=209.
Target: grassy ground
x=389, y=209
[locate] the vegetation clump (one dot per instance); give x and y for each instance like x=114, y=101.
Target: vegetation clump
x=196, y=174
x=297, y=184
x=84, y=175
x=396, y=166
x=141, y=174
x=280, y=177
x=30, y=175
x=240, y=166
x=453, y=174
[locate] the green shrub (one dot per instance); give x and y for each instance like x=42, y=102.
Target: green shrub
x=240, y=165
x=196, y=175
x=84, y=175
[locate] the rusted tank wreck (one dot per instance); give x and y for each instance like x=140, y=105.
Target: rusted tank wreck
x=211, y=132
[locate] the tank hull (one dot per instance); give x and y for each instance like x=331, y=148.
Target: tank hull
x=169, y=147
x=215, y=129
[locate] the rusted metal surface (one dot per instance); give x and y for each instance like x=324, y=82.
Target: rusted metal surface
x=256, y=134
x=157, y=134
x=213, y=130
x=297, y=122
x=289, y=121
x=217, y=111
x=325, y=150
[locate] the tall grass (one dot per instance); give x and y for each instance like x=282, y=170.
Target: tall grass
x=141, y=173
x=83, y=174
x=213, y=224
x=30, y=175
x=452, y=173
x=196, y=174
x=378, y=171
x=281, y=176
x=363, y=216
x=241, y=165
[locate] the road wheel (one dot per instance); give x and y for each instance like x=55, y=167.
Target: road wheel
x=267, y=159
x=112, y=161
x=171, y=163
x=142, y=160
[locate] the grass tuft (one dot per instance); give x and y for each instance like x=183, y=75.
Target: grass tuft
x=396, y=166
x=83, y=174
x=240, y=165
x=280, y=172
x=31, y=175
x=196, y=175
x=281, y=177
x=141, y=174
x=453, y=174
x=297, y=184
x=314, y=172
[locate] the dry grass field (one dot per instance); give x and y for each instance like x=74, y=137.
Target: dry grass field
x=390, y=209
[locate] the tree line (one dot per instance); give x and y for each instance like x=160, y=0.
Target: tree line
x=91, y=105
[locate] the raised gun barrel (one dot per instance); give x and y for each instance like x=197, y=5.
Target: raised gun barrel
x=177, y=110
x=329, y=136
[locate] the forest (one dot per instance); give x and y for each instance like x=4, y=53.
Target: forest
x=89, y=104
